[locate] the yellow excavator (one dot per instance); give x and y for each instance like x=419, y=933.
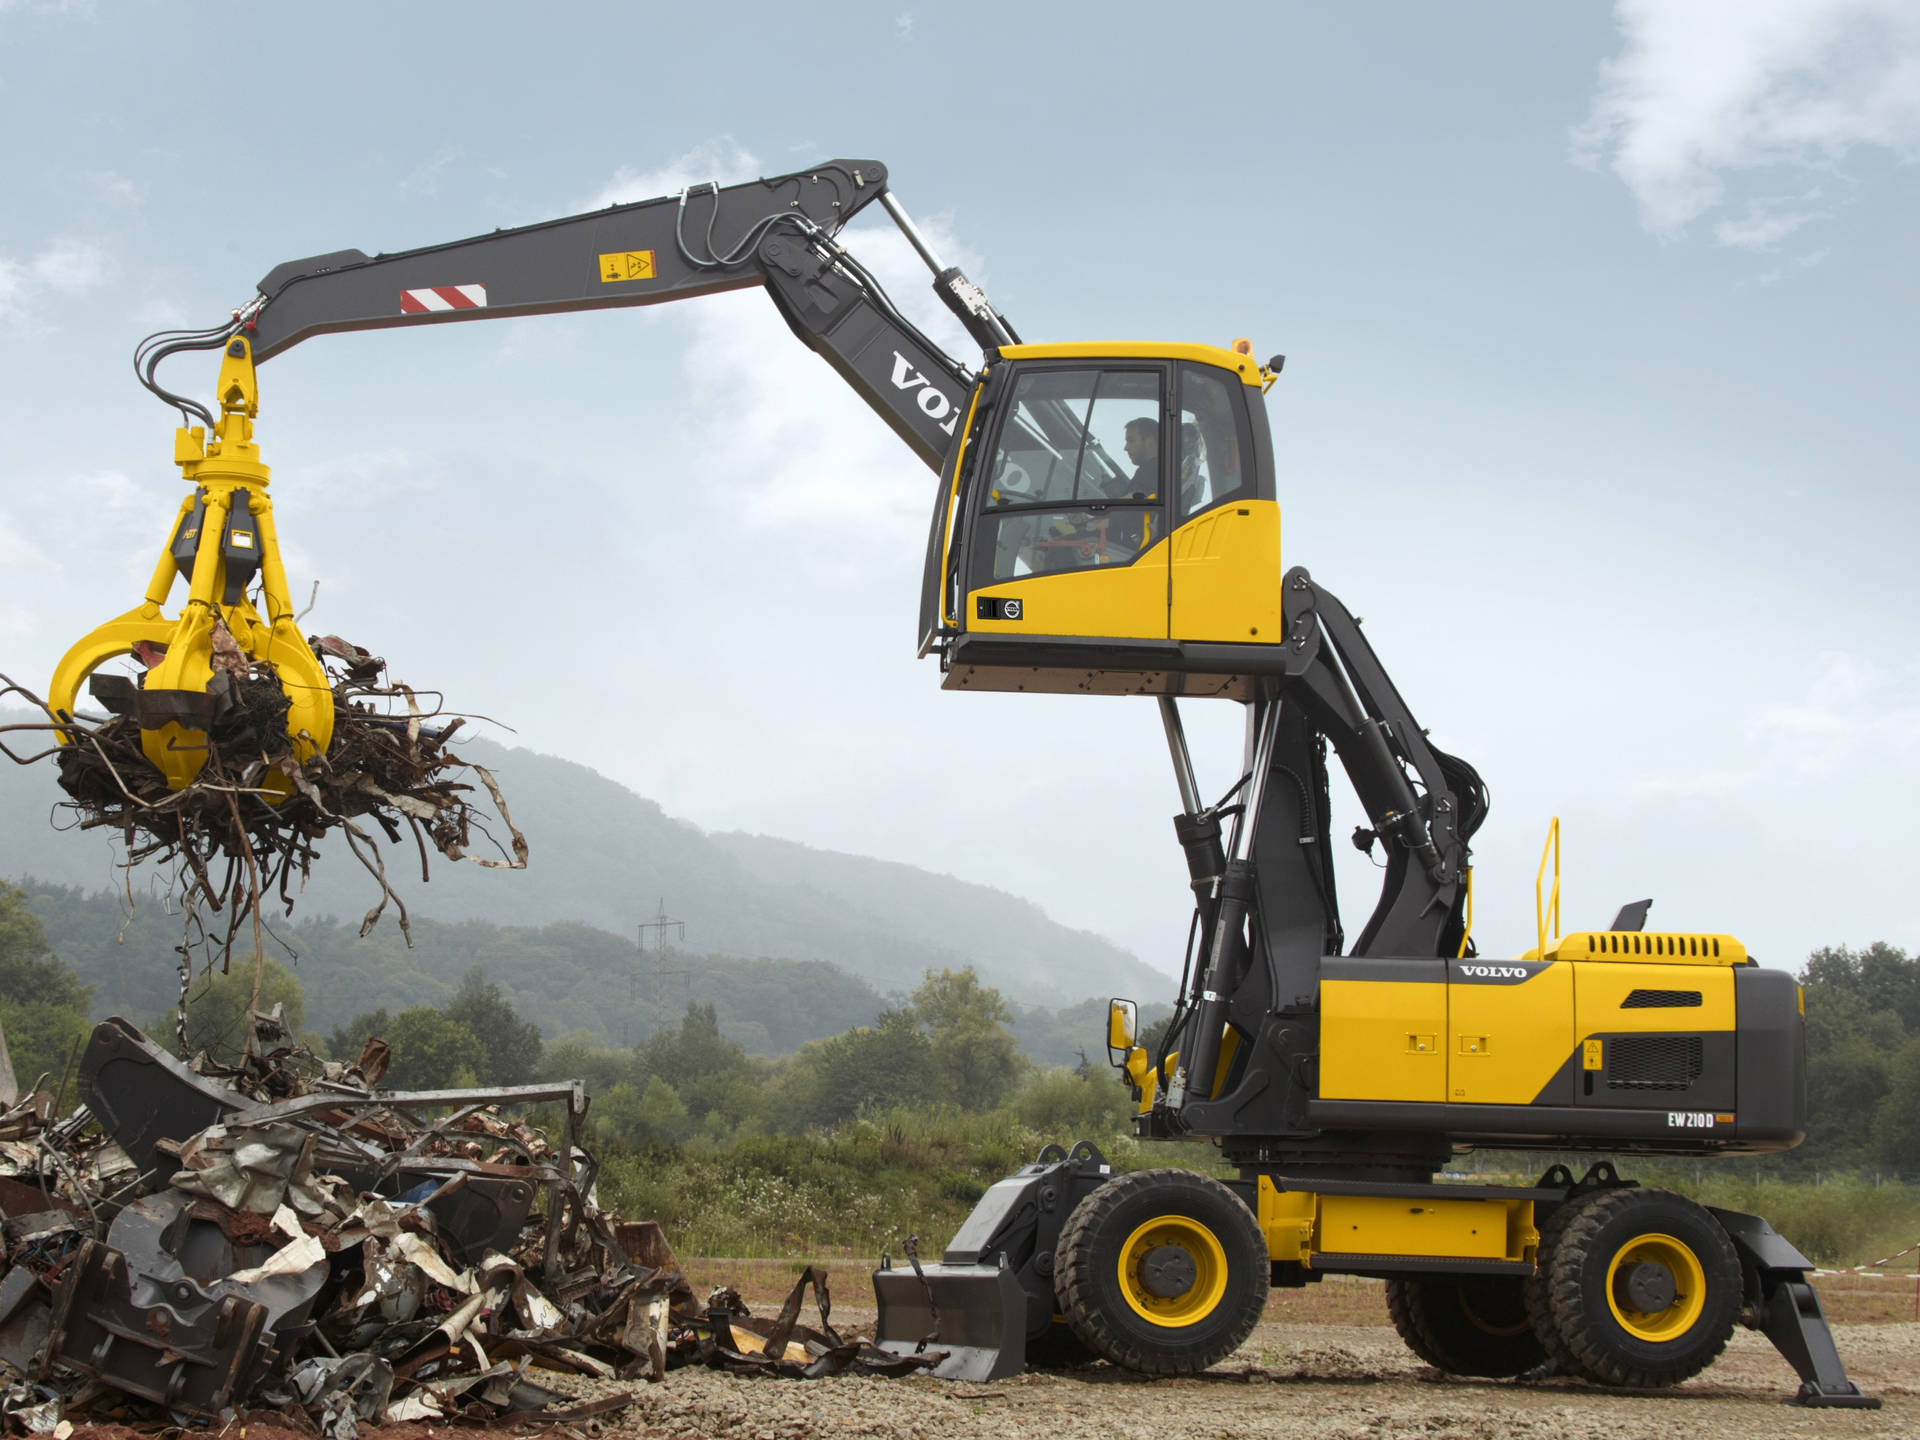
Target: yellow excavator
x=1105, y=522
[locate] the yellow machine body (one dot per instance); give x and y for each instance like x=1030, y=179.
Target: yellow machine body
x=1330, y=1231
x=227, y=521
x=1500, y=1033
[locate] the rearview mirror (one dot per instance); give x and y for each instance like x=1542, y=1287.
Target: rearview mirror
x=1123, y=1023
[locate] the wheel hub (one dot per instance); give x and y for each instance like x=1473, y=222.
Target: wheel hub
x=1172, y=1271
x=1167, y=1272
x=1651, y=1288
x=1656, y=1287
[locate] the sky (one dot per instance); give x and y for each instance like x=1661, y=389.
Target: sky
x=1599, y=403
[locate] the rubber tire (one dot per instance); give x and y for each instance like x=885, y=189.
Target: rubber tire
x=1058, y=1349
x=1559, y=1355
x=1087, y=1281
x=1568, y=1299
x=1466, y=1324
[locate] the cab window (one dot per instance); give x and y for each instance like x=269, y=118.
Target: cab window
x=1076, y=479
x=1211, y=455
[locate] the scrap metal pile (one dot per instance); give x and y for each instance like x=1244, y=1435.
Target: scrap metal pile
x=196, y=1240
x=247, y=825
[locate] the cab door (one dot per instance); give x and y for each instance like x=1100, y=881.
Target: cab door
x=1226, y=538
x=1069, y=535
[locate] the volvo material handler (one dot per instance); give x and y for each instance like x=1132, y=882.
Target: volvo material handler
x=1105, y=522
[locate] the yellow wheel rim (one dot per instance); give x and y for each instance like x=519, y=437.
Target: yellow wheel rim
x=1688, y=1288
x=1173, y=1271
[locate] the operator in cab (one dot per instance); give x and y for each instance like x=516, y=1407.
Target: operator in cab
x=1143, y=449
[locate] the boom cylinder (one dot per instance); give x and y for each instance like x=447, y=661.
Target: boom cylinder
x=1227, y=954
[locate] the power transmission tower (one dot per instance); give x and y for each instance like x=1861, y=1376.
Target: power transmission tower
x=663, y=976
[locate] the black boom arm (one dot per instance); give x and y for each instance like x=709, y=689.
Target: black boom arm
x=778, y=233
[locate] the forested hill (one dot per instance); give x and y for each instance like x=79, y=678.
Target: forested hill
x=605, y=857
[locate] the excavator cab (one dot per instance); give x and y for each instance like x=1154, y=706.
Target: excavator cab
x=1110, y=524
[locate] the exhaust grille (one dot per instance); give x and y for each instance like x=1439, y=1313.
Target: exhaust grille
x=1654, y=1062
x=1661, y=1000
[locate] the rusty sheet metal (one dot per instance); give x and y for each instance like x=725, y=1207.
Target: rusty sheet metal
x=292, y=1238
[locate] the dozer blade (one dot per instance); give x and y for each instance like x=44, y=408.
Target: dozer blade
x=977, y=1314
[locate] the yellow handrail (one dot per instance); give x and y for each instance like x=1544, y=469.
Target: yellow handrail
x=1551, y=905
x=1466, y=930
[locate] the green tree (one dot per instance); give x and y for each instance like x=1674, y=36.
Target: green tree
x=708, y=1073
x=1862, y=1009
x=43, y=1005
x=1066, y=1105
x=583, y=1055
x=977, y=1062
x=663, y=1115
x=693, y=1049
x=1882, y=975
x=1850, y=1053
x=217, y=1008
x=1896, y=1123
x=432, y=1051
x=345, y=1042
x=511, y=1045
x=887, y=1063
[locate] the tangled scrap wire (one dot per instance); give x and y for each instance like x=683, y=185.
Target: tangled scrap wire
x=248, y=826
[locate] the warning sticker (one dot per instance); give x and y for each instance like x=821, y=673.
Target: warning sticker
x=626, y=265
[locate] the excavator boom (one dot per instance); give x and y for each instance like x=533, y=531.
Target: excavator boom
x=779, y=233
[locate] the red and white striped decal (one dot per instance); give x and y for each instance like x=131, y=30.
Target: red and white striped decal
x=442, y=297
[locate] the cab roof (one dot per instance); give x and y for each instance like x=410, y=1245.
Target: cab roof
x=1245, y=366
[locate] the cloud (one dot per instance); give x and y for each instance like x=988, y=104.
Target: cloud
x=160, y=314
x=1711, y=89
x=17, y=552
x=1760, y=230
x=719, y=159
x=66, y=267
x=13, y=291
x=800, y=447
x=1851, y=716
x=1851, y=707
x=424, y=178
x=903, y=26
x=117, y=189
x=126, y=522
x=70, y=267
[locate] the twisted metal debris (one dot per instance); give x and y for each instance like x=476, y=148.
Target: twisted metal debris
x=247, y=827
x=194, y=1241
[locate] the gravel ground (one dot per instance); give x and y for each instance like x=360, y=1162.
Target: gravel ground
x=1292, y=1379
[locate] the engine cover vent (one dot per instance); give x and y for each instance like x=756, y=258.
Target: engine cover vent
x=1654, y=1062
x=1661, y=1000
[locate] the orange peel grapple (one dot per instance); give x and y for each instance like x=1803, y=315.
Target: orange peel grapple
x=237, y=615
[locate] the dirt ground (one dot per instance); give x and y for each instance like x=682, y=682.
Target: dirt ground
x=1324, y=1363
